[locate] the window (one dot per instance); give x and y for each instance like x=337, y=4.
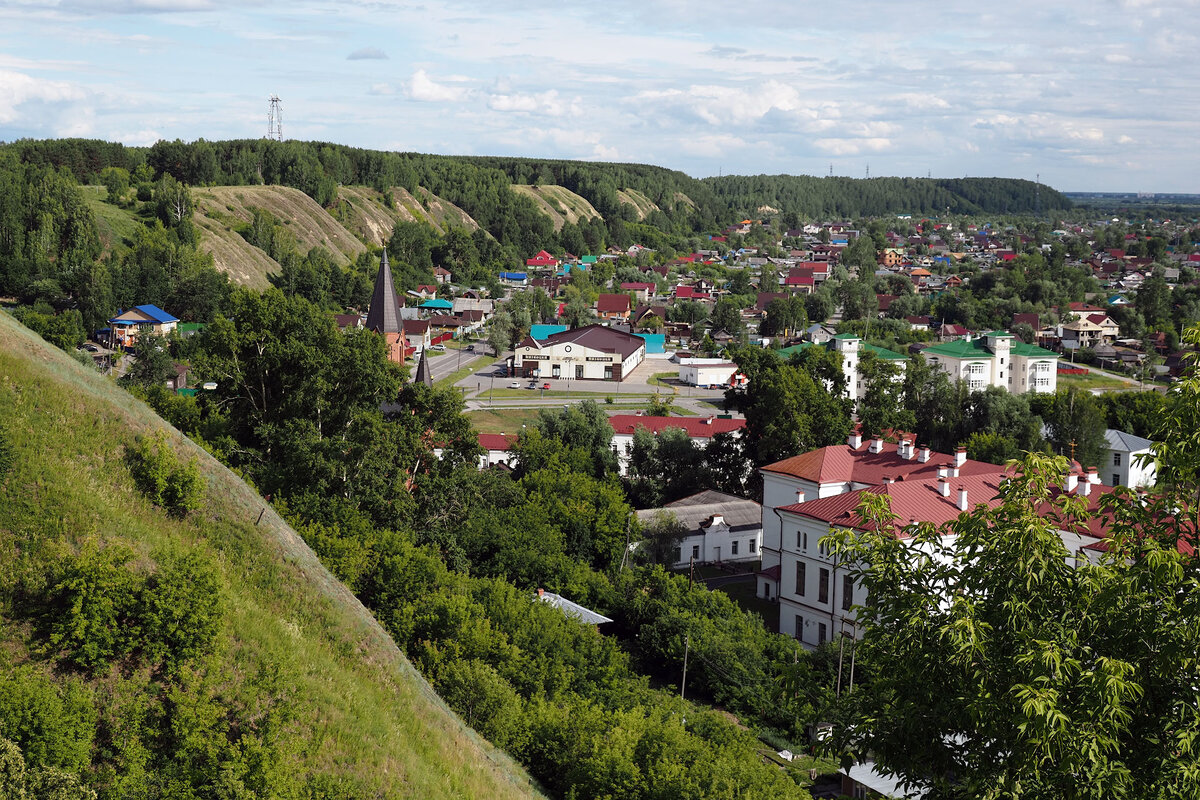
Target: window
x=1116, y=459
x=677, y=555
x=802, y=541
x=767, y=590
x=822, y=633
x=823, y=548
x=800, y=567
x=823, y=586
x=753, y=546
x=799, y=626
x=1116, y=481
x=847, y=592
x=733, y=547
x=695, y=551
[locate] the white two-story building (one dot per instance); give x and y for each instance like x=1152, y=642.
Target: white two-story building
x=996, y=359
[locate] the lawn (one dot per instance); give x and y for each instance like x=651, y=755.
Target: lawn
x=533, y=394
x=1093, y=381
x=502, y=420
x=668, y=379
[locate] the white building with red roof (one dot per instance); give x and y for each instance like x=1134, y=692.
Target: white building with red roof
x=806, y=496
x=700, y=429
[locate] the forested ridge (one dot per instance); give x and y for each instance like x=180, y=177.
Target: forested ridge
x=845, y=198
x=480, y=185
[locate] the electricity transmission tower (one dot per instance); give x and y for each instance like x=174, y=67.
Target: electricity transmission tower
x=275, y=120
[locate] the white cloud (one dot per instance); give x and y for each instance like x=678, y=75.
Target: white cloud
x=852, y=147
x=424, y=88
x=381, y=89
x=1117, y=58
x=142, y=138
x=17, y=89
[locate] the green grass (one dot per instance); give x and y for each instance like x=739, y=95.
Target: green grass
x=502, y=420
x=474, y=365
x=1092, y=381
x=534, y=394
x=361, y=711
x=116, y=226
x=667, y=379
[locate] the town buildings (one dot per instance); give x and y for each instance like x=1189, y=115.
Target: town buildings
x=126, y=327
x=1128, y=461
x=699, y=429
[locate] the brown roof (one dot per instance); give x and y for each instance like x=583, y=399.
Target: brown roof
x=610, y=303
x=597, y=337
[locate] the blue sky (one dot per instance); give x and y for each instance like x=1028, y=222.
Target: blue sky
x=1094, y=96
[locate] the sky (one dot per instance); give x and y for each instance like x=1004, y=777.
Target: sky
x=1102, y=95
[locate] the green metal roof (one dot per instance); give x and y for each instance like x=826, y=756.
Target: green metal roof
x=883, y=352
x=1030, y=351
x=1000, y=333
x=844, y=336
x=890, y=355
x=960, y=349
x=977, y=348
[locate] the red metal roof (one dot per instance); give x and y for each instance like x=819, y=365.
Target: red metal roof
x=841, y=463
x=612, y=303
x=696, y=427
x=497, y=441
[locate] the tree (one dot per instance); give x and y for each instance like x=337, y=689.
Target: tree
x=788, y=413
x=153, y=364
x=1075, y=424
x=727, y=316
x=116, y=181
x=661, y=536
x=880, y=406
x=1056, y=676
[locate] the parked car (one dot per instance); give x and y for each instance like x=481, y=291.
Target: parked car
x=440, y=347
x=514, y=385
x=532, y=385
x=545, y=386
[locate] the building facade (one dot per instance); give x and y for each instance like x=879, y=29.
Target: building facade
x=1128, y=461
x=591, y=353
x=996, y=359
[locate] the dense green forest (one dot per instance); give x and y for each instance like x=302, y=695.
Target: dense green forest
x=847, y=198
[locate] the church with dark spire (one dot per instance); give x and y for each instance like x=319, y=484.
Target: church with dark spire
x=383, y=315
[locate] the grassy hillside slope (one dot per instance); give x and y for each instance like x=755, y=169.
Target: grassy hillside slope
x=360, y=714
x=641, y=204
x=116, y=226
x=560, y=204
x=306, y=220
x=372, y=221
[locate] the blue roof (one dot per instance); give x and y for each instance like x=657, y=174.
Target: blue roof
x=655, y=342
x=540, y=332
x=513, y=276
x=153, y=312
x=437, y=302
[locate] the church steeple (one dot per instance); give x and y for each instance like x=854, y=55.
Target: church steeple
x=383, y=315
x=424, y=375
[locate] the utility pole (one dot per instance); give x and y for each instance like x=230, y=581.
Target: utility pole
x=687, y=643
x=691, y=571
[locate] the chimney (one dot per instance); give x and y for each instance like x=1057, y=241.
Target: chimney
x=962, y=498
x=1083, y=489
x=943, y=487
x=799, y=497
x=924, y=457
x=943, y=471
x=887, y=479
x=1070, y=482
x=855, y=438
x=877, y=444
x=1093, y=476
x=960, y=456
x=954, y=471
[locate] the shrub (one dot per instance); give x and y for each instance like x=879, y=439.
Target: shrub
x=159, y=475
x=8, y=455
x=94, y=608
x=182, y=611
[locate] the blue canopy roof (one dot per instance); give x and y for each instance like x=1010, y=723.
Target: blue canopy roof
x=153, y=312
x=513, y=276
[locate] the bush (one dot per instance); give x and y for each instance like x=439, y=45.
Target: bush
x=94, y=609
x=8, y=455
x=182, y=611
x=176, y=487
